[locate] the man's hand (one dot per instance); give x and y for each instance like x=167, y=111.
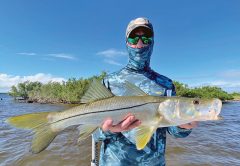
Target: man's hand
x=128, y=123
x=189, y=125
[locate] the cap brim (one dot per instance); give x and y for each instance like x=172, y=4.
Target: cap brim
x=134, y=27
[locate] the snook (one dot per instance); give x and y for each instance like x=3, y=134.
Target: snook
x=100, y=104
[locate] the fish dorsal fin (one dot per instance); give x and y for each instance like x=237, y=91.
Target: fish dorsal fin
x=96, y=91
x=133, y=90
x=85, y=131
x=143, y=135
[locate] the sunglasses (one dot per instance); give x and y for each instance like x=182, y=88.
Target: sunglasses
x=134, y=40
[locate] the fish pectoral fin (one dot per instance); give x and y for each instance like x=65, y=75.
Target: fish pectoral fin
x=143, y=135
x=96, y=91
x=133, y=90
x=85, y=131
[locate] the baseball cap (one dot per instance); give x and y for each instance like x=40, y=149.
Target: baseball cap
x=137, y=23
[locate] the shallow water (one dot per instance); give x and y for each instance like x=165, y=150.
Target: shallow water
x=212, y=143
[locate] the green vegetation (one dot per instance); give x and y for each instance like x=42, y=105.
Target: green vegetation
x=202, y=92
x=22, y=90
x=236, y=96
x=72, y=90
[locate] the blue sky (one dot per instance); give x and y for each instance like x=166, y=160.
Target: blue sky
x=196, y=42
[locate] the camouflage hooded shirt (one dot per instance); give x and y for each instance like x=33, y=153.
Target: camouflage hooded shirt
x=119, y=149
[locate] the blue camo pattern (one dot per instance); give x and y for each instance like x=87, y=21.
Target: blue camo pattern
x=119, y=149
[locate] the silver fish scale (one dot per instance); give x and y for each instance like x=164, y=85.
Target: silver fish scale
x=113, y=103
x=116, y=108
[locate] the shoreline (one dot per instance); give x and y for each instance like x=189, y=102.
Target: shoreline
x=78, y=103
x=45, y=102
x=52, y=101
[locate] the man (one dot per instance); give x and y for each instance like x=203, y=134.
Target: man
x=118, y=147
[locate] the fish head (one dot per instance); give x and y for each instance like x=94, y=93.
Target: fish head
x=179, y=110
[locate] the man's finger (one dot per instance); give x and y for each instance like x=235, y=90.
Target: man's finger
x=134, y=124
x=127, y=116
x=107, y=124
x=127, y=122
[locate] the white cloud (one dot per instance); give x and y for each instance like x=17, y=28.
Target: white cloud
x=63, y=56
x=229, y=86
x=6, y=81
x=112, y=62
x=230, y=74
x=57, y=55
x=228, y=80
x=112, y=56
x=27, y=53
x=112, y=53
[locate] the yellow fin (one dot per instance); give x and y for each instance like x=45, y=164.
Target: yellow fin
x=28, y=121
x=38, y=122
x=85, y=131
x=143, y=135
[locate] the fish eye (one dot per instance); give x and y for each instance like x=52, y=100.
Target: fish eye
x=196, y=102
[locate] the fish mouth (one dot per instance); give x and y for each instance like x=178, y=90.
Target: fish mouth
x=216, y=107
x=219, y=117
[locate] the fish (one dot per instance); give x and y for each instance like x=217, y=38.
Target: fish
x=99, y=104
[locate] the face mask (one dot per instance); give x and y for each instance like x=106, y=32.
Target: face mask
x=139, y=58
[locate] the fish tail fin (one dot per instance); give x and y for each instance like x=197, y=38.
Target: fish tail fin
x=38, y=122
x=29, y=121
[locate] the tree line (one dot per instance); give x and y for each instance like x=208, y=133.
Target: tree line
x=204, y=92
x=71, y=91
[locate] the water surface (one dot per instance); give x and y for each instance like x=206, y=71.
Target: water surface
x=212, y=143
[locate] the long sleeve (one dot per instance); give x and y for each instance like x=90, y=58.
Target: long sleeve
x=178, y=132
x=100, y=135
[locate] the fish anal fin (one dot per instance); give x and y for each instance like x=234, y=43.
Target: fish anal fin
x=96, y=91
x=143, y=135
x=42, y=139
x=85, y=131
x=29, y=121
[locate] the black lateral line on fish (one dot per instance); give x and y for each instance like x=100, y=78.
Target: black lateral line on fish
x=103, y=111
